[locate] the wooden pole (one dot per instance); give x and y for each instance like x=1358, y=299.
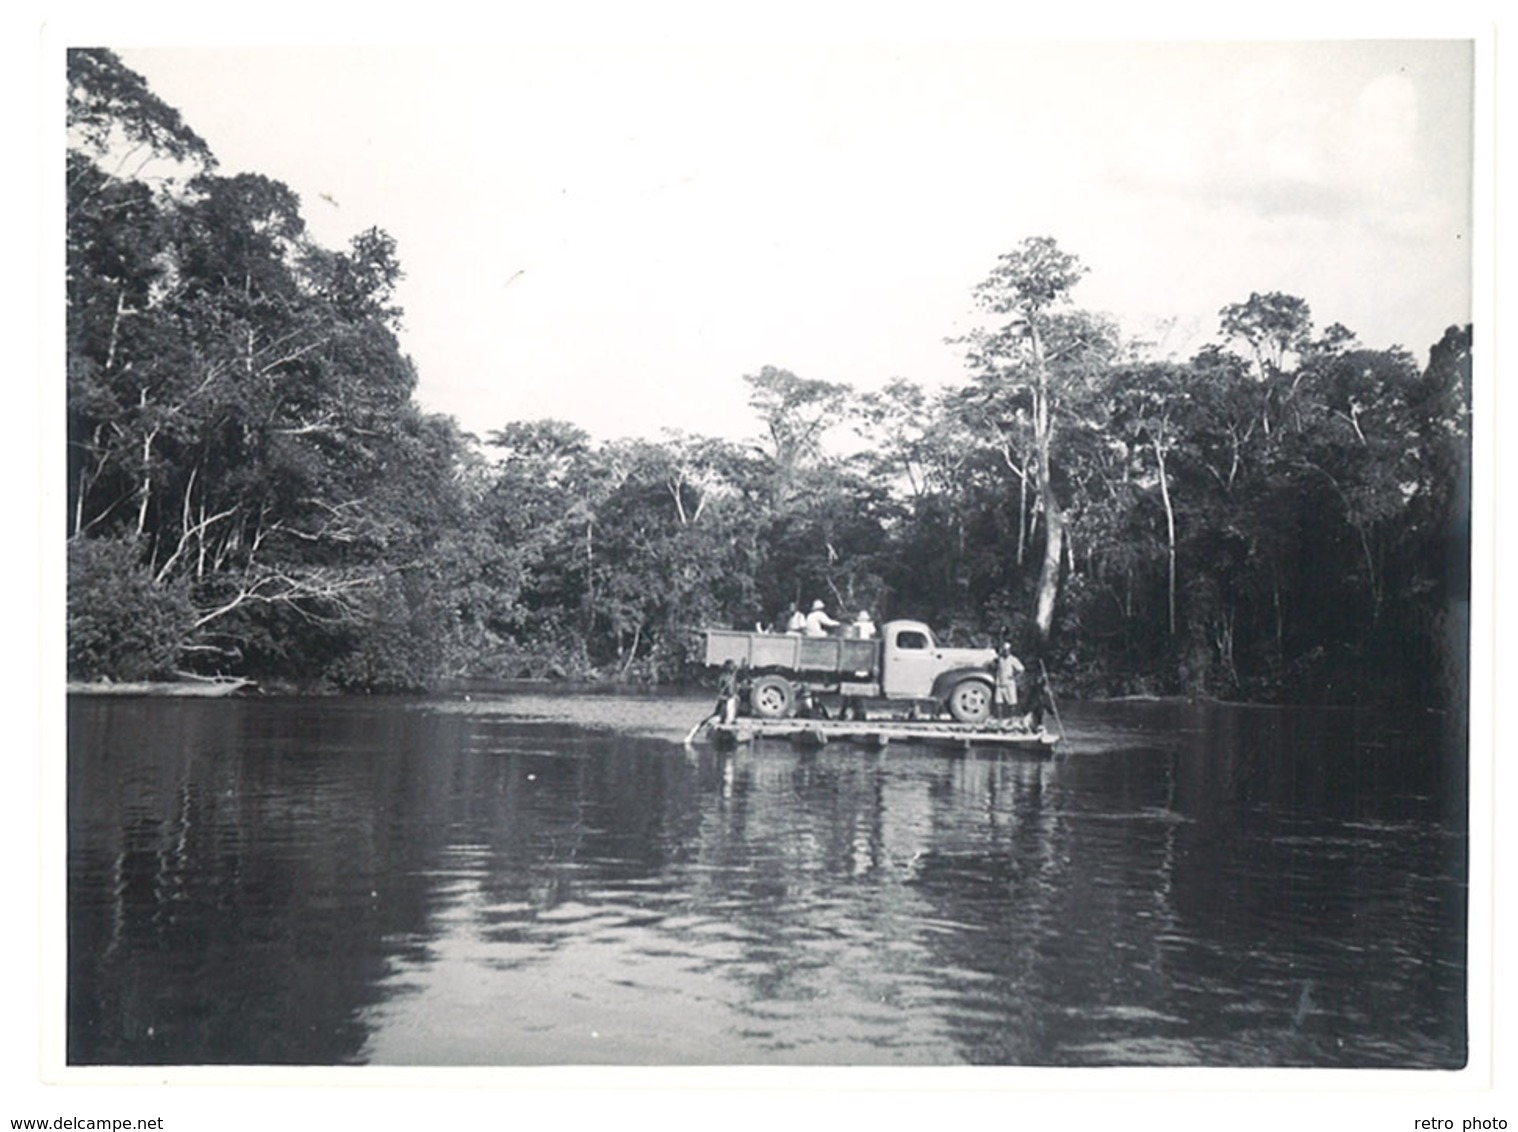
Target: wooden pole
x=1044, y=672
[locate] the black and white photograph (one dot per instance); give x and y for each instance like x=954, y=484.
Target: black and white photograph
x=695, y=562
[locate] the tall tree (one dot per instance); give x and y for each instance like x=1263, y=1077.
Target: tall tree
x=796, y=414
x=1273, y=325
x=1151, y=402
x=1028, y=285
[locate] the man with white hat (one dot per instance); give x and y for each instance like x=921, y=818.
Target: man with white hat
x=818, y=622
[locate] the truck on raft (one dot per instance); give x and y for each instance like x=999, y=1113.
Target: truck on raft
x=905, y=665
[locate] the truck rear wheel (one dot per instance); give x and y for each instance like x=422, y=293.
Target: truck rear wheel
x=970, y=701
x=772, y=697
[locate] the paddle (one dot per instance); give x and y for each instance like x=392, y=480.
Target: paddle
x=691, y=738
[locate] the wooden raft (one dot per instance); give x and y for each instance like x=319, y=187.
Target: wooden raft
x=880, y=733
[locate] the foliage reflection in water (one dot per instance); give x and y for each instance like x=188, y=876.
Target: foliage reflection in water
x=540, y=879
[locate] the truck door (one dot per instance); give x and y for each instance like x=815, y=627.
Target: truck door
x=910, y=663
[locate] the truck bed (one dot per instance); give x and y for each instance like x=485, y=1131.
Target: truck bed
x=783, y=652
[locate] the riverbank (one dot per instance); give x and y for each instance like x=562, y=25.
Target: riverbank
x=199, y=687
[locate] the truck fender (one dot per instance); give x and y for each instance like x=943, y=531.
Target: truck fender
x=944, y=682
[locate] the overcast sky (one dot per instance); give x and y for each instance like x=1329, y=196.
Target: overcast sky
x=615, y=235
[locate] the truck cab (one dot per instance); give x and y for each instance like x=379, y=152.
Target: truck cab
x=915, y=667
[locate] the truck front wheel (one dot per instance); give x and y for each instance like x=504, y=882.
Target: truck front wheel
x=772, y=697
x=970, y=701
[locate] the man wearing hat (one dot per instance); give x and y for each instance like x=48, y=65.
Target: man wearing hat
x=1008, y=669
x=818, y=622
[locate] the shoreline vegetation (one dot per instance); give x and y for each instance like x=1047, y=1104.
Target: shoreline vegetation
x=253, y=492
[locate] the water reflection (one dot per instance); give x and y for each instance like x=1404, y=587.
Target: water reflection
x=419, y=882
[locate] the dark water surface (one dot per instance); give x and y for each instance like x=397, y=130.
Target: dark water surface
x=532, y=878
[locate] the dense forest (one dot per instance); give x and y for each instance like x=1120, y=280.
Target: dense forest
x=253, y=490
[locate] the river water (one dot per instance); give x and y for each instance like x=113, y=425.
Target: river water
x=535, y=878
